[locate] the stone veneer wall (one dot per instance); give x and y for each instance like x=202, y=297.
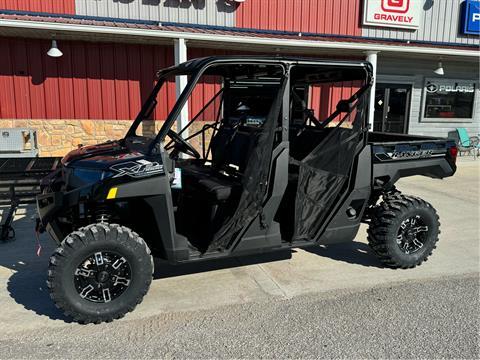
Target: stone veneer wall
x=58, y=137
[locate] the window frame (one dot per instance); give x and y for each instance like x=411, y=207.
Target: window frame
x=424, y=119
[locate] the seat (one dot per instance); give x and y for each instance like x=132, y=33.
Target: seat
x=229, y=147
x=210, y=195
x=208, y=183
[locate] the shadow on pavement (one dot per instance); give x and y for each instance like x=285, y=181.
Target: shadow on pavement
x=164, y=270
x=351, y=252
x=27, y=283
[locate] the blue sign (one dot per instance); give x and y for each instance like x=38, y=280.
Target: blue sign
x=472, y=17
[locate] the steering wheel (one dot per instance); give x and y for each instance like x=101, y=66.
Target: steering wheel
x=182, y=145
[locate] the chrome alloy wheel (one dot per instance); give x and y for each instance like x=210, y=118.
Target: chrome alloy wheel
x=412, y=234
x=102, y=277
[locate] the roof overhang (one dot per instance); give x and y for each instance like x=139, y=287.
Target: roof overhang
x=226, y=41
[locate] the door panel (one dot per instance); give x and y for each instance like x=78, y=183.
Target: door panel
x=380, y=108
x=392, y=104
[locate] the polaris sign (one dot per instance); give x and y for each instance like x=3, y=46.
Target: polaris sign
x=392, y=13
x=432, y=87
x=471, y=17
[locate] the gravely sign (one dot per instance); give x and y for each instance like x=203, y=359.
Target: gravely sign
x=392, y=13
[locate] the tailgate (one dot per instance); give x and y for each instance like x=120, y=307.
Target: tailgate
x=407, y=155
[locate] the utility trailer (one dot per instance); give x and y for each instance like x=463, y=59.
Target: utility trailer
x=20, y=179
x=276, y=171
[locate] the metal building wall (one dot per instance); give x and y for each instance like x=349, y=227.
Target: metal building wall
x=325, y=16
x=90, y=80
x=49, y=6
x=395, y=71
x=441, y=23
x=207, y=12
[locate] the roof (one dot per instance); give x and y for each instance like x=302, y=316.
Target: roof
x=353, y=70
x=208, y=60
x=193, y=29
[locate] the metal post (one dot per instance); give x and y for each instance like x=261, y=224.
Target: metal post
x=180, y=49
x=372, y=58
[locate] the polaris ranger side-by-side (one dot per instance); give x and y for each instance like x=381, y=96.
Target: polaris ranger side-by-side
x=272, y=168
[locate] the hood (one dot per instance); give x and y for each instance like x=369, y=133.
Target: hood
x=100, y=156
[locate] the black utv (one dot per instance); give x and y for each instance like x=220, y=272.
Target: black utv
x=265, y=166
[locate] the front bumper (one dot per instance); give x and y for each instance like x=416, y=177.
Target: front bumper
x=48, y=205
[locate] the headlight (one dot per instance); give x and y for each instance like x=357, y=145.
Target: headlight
x=82, y=176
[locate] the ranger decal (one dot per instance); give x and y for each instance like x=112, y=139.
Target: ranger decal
x=407, y=155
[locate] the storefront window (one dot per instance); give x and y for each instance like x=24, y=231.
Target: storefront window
x=447, y=99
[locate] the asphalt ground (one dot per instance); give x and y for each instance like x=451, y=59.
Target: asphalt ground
x=418, y=319
x=336, y=301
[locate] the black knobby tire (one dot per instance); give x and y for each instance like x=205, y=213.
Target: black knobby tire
x=95, y=239
x=386, y=229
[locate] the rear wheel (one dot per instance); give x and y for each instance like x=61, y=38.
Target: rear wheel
x=403, y=231
x=99, y=273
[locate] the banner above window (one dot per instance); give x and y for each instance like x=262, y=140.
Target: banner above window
x=402, y=14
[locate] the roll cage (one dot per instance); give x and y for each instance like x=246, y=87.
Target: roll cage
x=225, y=66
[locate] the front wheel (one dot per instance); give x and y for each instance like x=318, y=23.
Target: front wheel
x=99, y=273
x=404, y=231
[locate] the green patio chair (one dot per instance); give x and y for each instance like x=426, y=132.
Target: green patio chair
x=466, y=143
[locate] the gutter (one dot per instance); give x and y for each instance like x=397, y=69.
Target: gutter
x=243, y=40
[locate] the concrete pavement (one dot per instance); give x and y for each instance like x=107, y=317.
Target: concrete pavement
x=25, y=304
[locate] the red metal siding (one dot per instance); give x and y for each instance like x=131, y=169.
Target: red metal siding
x=340, y=17
x=65, y=85
x=323, y=99
x=21, y=83
x=107, y=81
x=36, y=89
x=79, y=74
x=90, y=80
x=205, y=89
x=121, y=83
x=7, y=94
x=47, y=6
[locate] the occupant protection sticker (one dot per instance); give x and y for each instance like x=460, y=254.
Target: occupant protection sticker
x=177, y=179
x=138, y=169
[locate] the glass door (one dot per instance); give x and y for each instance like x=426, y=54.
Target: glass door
x=392, y=105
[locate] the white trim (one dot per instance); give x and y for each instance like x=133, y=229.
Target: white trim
x=372, y=58
x=37, y=25
x=180, y=56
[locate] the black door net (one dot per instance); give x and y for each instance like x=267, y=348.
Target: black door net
x=325, y=170
x=255, y=178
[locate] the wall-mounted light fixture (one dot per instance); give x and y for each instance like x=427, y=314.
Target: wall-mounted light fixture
x=439, y=70
x=54, y=50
